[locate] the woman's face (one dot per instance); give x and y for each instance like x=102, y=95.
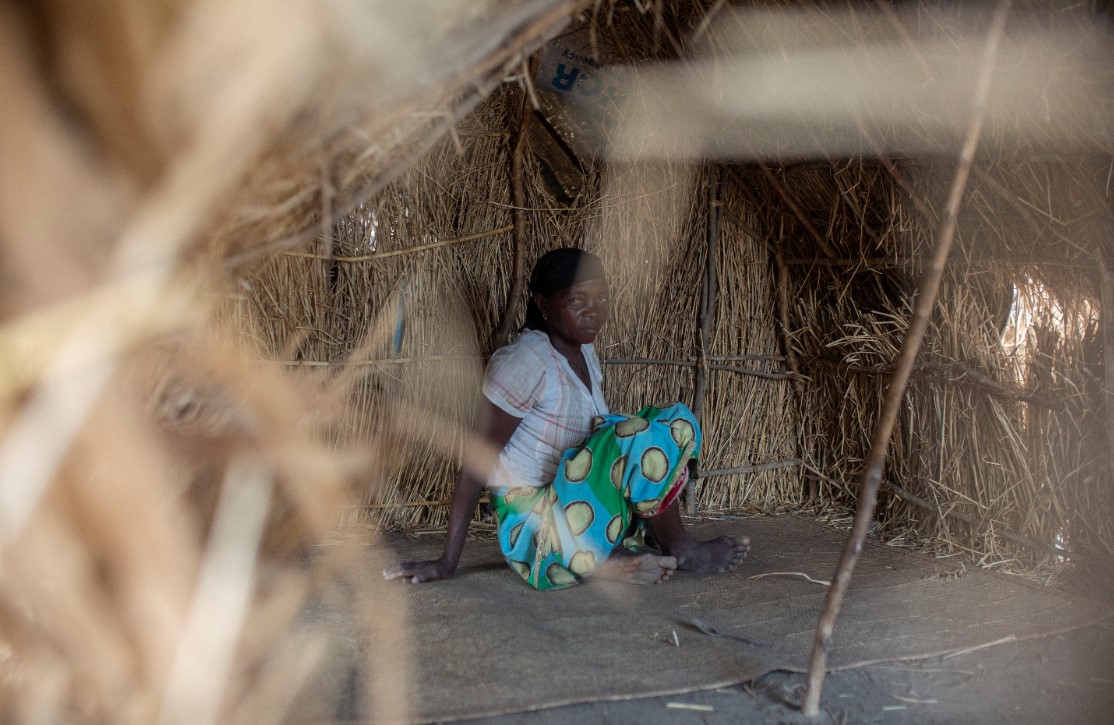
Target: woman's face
x=575, y=314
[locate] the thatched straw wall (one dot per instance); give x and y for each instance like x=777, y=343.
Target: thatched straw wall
x=996, y=434
x=648, y=222
x=995, y=437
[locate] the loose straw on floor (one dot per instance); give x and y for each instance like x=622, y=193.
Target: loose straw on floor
x=922, y=310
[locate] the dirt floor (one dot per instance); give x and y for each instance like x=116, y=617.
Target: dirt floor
x=1062, y=679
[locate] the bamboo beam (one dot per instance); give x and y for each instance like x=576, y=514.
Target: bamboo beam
x=922, y=309
x=707, y=313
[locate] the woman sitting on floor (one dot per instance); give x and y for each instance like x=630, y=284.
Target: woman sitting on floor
x=577, y=489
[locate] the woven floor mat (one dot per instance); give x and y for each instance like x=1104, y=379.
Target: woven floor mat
x=485, y=644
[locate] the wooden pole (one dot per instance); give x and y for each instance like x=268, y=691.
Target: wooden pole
x=518, y=201
x=782, y=276
x=922, y=310
x=1106, y=314
x=707, y=313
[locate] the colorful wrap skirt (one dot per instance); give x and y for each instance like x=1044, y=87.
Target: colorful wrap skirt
x=631, y=468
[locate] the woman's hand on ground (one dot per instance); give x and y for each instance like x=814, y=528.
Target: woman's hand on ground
x=419, y=571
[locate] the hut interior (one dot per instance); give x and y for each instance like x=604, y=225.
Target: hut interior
x=255, y=256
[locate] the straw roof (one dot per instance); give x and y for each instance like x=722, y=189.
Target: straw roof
x=254, y=255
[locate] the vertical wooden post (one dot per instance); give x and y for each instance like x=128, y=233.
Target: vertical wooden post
x=782, y=280
x=518, y=202
x=1106, y=314
x=707, y=311
x=922, y=310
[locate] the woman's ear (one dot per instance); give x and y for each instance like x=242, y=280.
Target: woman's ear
x=542, y=304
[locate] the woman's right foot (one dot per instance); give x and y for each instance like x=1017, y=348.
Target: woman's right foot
x=636, y=568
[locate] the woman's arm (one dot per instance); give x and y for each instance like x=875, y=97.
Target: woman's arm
x=495, y=430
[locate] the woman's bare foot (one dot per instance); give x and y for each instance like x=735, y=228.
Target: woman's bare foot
x=636, y=568
x=717, y=555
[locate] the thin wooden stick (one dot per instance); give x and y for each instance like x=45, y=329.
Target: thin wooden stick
x=978, y=525
x=783, y=315
x=730, y=358
x=707, y=314
x=782, y=192
x=386, y=361
x=327, y=194
x=786, y=339
x=701, y=377
x=1004, y=640
x=401, y=504
x=974, y=522
x=922, y=309
x=649, y=361
x=518, y=199
x=781, y=375
x=989, y=387
x=752, y=468
x=896, y=174
x=689, y=363
x=431, y=358
x=792, y=573
x=885, y=263
x=400, y=252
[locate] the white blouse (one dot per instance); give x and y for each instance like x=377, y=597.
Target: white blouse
x=530, y=380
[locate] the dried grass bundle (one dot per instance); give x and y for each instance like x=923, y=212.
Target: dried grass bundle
x=167, y=492
x=991, y=441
